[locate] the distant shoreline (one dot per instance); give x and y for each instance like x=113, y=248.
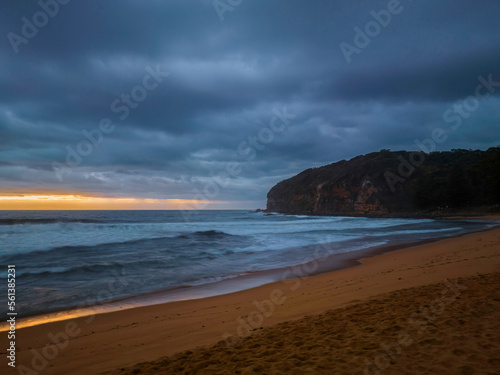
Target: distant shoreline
x=438, y=215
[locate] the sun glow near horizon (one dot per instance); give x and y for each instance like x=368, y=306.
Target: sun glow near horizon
x=83, y=202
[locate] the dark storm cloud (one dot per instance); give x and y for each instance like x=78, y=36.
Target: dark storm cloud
x=445, y=80
x=226, y=80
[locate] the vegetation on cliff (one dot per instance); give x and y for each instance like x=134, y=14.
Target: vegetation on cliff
x=388, y=182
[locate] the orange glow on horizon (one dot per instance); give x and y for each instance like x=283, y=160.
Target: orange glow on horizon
x=82, y=202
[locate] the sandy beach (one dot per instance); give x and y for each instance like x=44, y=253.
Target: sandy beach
x=441, y=328
x=259, y=330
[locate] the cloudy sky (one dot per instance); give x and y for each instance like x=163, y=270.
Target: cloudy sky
x=208, y=104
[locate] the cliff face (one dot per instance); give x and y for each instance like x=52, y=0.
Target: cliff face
x=388, y=182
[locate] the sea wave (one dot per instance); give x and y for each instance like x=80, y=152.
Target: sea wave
x=212, y=233
x=164, y=244
x=107, y=268
x=75, y=254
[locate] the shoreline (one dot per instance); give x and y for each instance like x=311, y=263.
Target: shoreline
x=245, y=281
x=147, y=333
x=435, y=215
x=240, y=283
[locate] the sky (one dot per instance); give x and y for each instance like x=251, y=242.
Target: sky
x=180, y=104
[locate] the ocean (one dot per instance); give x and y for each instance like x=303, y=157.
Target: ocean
x=68, y=259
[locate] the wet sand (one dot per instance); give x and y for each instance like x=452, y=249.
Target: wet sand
x=106, y=342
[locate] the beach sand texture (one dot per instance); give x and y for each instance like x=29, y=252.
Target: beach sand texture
x=462, y=340
x=442, y=328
